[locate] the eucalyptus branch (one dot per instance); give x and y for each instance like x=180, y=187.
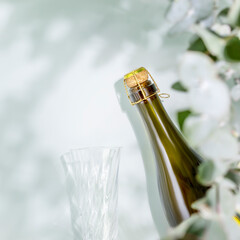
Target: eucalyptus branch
x=213, y=62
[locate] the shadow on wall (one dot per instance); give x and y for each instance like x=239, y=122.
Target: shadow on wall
x=147, y=157
x=57, y=30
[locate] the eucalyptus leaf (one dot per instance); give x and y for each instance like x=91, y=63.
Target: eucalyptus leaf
x=177, y=10
x=211, y=197
x=220, y=145
x=227, y=201
x=210, y=171
x=180, y=231
x=215, y=231
x=198, y=227
x=182, y=116
x=185, y=13
x=221, y=200
x=234, y=176
x=214, y=44
x=223, y=5
x=222, y=16
x=206, y=173
x=206, y=99
x=185, y=24
x=235, y=93
x=232, y=50
x=227, y=183
x=203, y=8
x=198, y=45
x=234, y=14
x=179, y=87
x=235, y=121
x=215, y=23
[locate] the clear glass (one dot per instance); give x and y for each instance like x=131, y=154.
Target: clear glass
x=92, y=186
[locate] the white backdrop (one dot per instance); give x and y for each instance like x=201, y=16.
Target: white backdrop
x=60, y=65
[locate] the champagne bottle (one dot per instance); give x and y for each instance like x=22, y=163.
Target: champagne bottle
x=176, y=162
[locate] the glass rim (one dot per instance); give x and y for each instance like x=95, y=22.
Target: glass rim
x=64, y=156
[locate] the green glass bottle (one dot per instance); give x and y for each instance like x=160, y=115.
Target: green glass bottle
x=176, y=162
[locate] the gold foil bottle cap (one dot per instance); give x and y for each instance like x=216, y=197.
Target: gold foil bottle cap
x=136, y=77
x=140, y=85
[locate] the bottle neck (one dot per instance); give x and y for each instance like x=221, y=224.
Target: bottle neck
x=160, y=126
x=158, y=123
x=152, y=110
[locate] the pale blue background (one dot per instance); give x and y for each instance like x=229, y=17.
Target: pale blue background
x=59, y=62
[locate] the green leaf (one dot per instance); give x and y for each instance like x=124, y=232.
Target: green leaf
x=211, y=197
x=224, y=12
x=210, y=172
x=198, y=45
x=198, y=227
x=206, y=173
x=179, y=87
x=182, y=116
x=214, y=43
x=234, y=176
x=232, y=50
